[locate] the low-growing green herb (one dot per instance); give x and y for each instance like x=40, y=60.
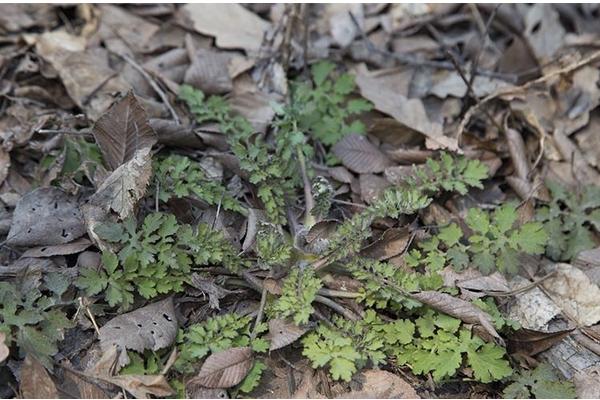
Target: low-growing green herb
x=32, y=319
x=541, y=383
x=568, y=218
x=179, y=176
x=299, y=291
x=155, y=259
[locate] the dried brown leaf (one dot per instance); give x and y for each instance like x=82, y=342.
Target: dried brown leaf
x=518, y=153
x=409, y=112
x=46, y=216
x=282, y=333
x=121, y=191
x=340, y=174
x=151, y=327
x=142, y=385
x=380, y=384
x=208, y=72
x=225, y=369
x=532, y=342
x=122, y=131
x=234, y=26
x=360, y=155
x=371, y=187
x=73, y=247
x=35, y=380
x=457, y=308
x=391, y=243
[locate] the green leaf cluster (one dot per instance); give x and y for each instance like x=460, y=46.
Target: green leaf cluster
x=272, y=248
x=381, y=281
x=451, y=174
x=324, y=108
x=298, y=292
x=32, y=319
x=155, y=259
x=568, y=218
x=494, y=244
x=217, y=334
x=500, y=322
x=351, y=234
x=348, y=346
x=272, y=167
x=147, y=364
x=441, y=346
x=541, y=383
x=178, y=176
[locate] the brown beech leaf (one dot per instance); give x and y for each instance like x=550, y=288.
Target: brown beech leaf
x=225, y=369
x=282, y=333
x=360, y=155
x=122, y=131
x=35, y=380
x=457, y=308
x=391, y=243
x=208, y=72
x=532, y=342
x=151, y=327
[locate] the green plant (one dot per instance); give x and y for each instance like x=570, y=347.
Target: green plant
x=299, y=291
x=323, y=109
x=455, y=174
x=32, y=319
x=500, y=322
x=178, y=176
x=351, y=234
x=155, y=259
x=540, y=383
x=272, y=168
x=567, y=220
x=252, y=380
x=444, y=248
x=272, y=247
x=347, y=346
x=442, y=346
x=217, y=334
x=148, y=363
x=380, y=281
x=496, y=242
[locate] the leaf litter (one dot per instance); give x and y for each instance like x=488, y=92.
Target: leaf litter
x=311, y=200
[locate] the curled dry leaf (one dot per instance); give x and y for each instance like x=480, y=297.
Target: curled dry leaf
x=360, y=155
x=532, y=342
x=458, y=308
x=393, y=242
x=121, y=191
x=35, y=380
x=151, y=327
x=122, y=131
x=44, y=217
x=282, y=333
x=225, y=369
